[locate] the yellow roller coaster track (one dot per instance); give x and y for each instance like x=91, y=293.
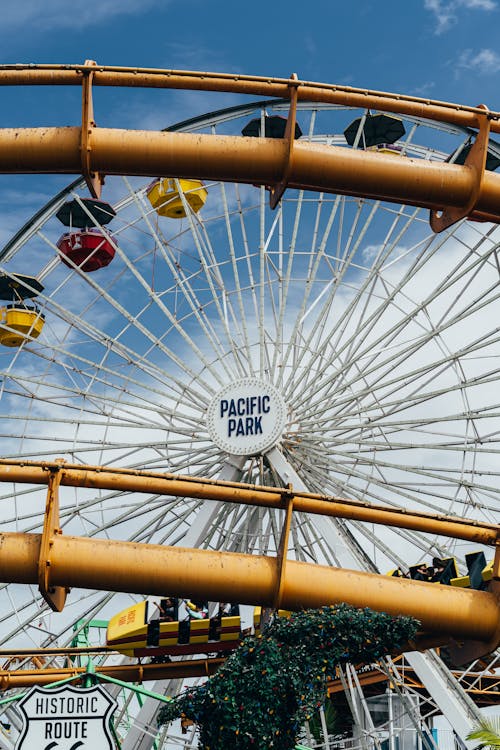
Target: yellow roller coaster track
x=451, y=191
x=58, y=562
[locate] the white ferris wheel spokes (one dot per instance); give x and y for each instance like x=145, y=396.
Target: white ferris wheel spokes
x=377, y=339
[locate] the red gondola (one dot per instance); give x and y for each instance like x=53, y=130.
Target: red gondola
x=88, y=249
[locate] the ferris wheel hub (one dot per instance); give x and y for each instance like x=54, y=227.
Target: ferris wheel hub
x=247, y=417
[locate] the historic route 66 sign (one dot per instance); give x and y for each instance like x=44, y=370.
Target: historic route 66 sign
x=66, y=718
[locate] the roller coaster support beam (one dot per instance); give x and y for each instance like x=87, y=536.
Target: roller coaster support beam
x=264, y=86
x=450, y=191
x=312, y=166
x=249, y=579
x=55, y=596
x=21, y=678
x=101, y=478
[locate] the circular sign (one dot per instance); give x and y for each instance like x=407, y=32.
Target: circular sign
x=246, y=417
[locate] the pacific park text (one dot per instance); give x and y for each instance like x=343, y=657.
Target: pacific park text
x=244, y=415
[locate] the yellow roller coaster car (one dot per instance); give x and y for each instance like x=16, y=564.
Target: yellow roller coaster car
x=139, y=631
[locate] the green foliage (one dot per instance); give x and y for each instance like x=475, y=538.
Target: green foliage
x=274, y=682
x=331, y=721
x=487, y=732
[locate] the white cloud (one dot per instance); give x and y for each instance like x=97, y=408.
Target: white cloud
x=54, y=14
x=485, y=60
x=424, y=89
x=481, y=4
x=443, y=14
x=446, y=11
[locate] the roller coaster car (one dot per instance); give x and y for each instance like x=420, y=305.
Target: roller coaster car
x=139, y=631
x=448, y=570
x=479, y=572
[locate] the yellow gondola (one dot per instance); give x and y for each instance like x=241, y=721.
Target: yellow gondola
x=20, y=323
x=165, y=196
x=392, y=149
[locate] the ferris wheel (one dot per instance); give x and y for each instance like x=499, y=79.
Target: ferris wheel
x=335, y=344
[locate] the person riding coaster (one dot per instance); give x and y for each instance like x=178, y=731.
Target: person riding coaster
x=168, y=626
